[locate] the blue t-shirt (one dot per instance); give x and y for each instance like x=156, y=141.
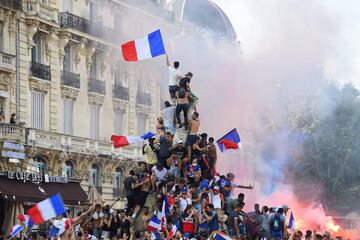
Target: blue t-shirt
x=214, y=223
x=192, y=170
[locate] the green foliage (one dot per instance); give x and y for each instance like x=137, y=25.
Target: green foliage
x=331, y=149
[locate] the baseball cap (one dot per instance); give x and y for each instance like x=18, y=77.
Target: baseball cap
x=184, y=190
x=285, y=207
x=180, y=141
x=216, y=188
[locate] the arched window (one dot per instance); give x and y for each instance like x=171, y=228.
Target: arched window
x=117, y=178
x=95, y=176
x=37, y=51
x=41, y=164
x=69, y=169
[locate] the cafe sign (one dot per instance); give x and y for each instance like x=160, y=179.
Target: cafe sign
x=35, y=177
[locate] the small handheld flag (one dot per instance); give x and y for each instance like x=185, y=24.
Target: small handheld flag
x=292, y=222
x=155, y=235
x=15, y=230
x=173, y=231
x=26, y=220
x=122, y=141
x=154, y=224
x=150, y=46
x=47, y=209
x=231, y=140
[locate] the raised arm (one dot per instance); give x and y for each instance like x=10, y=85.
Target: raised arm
x=167, y=61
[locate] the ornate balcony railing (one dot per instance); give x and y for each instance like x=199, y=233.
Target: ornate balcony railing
x=97, y=29
x=120, y=92
x=11, y=132
x=97, y=86
x=13, y=4
x=40, y=71
x=143, y=98
x=7, y=61
x=70, y=79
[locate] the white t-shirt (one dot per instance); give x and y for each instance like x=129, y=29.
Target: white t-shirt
x=168, y=115
x=159, y=174
x=216, y=200
x=184, y=203
x=174, y=75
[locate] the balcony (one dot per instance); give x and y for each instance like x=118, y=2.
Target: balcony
x=11, y=132
x=120, y=92
x=7, y=62
x=40, y=71
x=143, y=98
x=69, y=20
x=42, y=10
x=70, y=79
x=13, y=4
x=97, y=86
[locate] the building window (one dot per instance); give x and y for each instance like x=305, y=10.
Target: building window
x=67, y=63
x=69, y=169
x=95, y=176
x=94, y=121
x=142, y=118
x=67, y=5
x=41, y=164
x=37, y=51
x=37, y=110
x=119, y=117
x=94, y=12
x=68, y=116
x=117, y=178
x=94, y=68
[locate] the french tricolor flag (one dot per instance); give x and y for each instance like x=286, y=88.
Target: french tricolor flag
x=148, y=47
x=173, y=231
x=24, y=218
x=221, y=236
x=47, y=209
x=15, y=230
x=231, y=140
x=154, y=224
x=122, y=141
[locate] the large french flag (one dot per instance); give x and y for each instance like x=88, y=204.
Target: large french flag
x=122, y=141
x=148, y=47
x=231, y=140
x=47, y=209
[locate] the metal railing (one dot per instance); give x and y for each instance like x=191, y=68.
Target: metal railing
x=97, y=29
x=70, y=79
x=97, y=86
x=40, y=70
x=13, y=4
x=120, y=92
x=143, y=98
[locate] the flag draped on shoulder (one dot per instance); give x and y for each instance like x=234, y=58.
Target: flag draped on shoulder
x=173, y=231
x=231, y=140
x=47, y=209
x=148, y=47
x=122, y=141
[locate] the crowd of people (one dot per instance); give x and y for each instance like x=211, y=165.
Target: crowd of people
x=181, y=175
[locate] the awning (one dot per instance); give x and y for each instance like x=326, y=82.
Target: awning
x=13, y=190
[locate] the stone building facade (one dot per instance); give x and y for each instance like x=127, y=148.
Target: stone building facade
x=62, y=74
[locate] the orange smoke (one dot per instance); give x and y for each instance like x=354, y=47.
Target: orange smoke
x=307, y=217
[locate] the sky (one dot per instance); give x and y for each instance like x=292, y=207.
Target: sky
x=257, y=23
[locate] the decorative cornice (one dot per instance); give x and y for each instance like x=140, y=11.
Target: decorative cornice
x=39, y=85
x=69, y=92
x=120, y=105
x=96, y=98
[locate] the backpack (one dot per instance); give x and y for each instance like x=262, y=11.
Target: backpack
x=181, y=93
x=276, y=224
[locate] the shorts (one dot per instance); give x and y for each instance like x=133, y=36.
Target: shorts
x=141, y=198
x=191, y=140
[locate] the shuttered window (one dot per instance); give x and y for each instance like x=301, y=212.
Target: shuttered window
x=94, y=121
x=119, y=118
x=68, y=116
x=142, y=124
x=37, y=110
